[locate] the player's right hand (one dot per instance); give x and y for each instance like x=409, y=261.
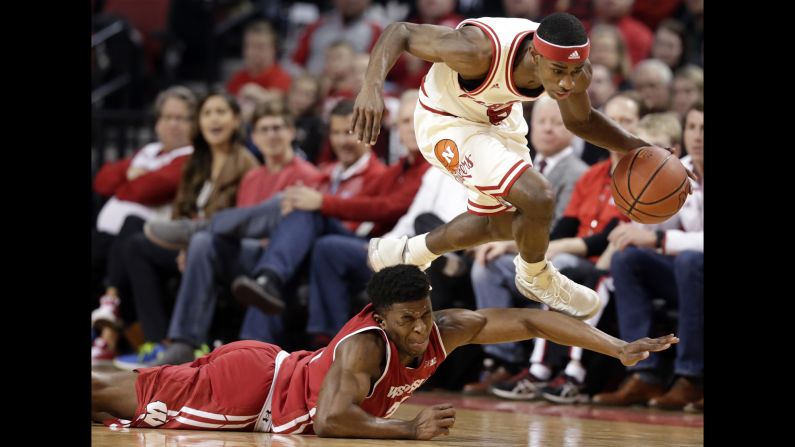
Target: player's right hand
x=367, y=112
x=434, y=421
x=639, y=350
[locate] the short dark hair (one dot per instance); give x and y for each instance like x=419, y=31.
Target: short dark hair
x=343, y=108
x=272, y=108
x=397, y=284
x=562, y=28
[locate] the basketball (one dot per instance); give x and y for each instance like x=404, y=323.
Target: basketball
x=650, y=185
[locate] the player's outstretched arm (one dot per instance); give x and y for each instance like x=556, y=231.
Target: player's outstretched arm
x=590, y=124
x=358, y=364
x=507, y=325
x=466, y=50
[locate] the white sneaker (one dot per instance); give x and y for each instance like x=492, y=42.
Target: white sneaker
x=558, y=292
x=386, y=252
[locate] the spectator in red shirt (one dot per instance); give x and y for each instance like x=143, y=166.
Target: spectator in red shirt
x=260, y=65
x=140, y=187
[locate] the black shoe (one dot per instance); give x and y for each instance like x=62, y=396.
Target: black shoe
x=263, y=293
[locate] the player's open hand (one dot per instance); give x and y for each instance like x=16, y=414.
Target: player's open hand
x=367, y=112
x=434, y=421
x=639, y=350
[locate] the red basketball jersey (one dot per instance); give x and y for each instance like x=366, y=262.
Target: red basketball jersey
x=298, y=382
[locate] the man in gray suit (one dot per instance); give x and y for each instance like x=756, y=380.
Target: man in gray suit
x=555, y=158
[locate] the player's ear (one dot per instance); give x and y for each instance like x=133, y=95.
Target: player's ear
x=534, y=54
x=379, y=319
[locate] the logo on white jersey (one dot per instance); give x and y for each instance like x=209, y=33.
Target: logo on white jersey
x=447, y=153
x=574, y=55
x=497, y=85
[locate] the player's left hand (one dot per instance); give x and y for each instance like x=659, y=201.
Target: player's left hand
x=639, y=350
x=690, y=173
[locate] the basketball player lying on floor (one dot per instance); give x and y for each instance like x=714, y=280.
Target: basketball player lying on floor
x=349, y=388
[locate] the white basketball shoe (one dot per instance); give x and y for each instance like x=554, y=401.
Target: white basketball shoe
x=557, y=291
x=386, y=252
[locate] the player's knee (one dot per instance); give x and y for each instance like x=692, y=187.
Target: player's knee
x=538, y=201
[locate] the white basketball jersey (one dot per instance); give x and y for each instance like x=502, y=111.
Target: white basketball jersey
x=496, y=100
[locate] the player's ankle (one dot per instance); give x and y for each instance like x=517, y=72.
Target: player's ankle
x=529, y=268
x=418, y=252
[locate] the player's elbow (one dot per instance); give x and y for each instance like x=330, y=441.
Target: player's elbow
x=329, y=425
x=399, y=30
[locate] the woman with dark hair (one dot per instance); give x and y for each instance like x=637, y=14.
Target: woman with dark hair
x=209, y=184
x=669, y=43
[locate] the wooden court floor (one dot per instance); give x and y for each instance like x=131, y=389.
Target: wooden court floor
x=480, y=421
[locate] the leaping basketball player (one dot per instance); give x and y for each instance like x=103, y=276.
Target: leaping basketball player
x=469, y=123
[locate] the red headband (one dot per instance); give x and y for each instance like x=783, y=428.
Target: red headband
x=574, y=53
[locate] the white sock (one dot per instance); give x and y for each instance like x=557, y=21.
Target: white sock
x=541, y=371
x=418, y=253
x=575, y=369
x=525, y=269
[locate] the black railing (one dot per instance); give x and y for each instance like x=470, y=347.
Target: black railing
x=124, y=131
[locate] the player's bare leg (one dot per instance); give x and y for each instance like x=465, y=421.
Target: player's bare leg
x=529, y=226
x=113, y=395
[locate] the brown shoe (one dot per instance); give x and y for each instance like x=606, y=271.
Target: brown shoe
x=498, y=375
x=695, y=407
x=633, y=391
x=681, y=393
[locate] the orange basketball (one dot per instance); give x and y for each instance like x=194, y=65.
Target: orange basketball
x=650, y=185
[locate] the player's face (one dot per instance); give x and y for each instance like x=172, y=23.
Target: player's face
x=409, y=325
x=558, y=78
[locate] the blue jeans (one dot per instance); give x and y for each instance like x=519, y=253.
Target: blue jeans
x=338, y=271
x=641, y=275
x=494, y=286
x=292, y=240
x=214, y=261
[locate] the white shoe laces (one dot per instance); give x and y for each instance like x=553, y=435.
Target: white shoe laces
x=558, y=288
